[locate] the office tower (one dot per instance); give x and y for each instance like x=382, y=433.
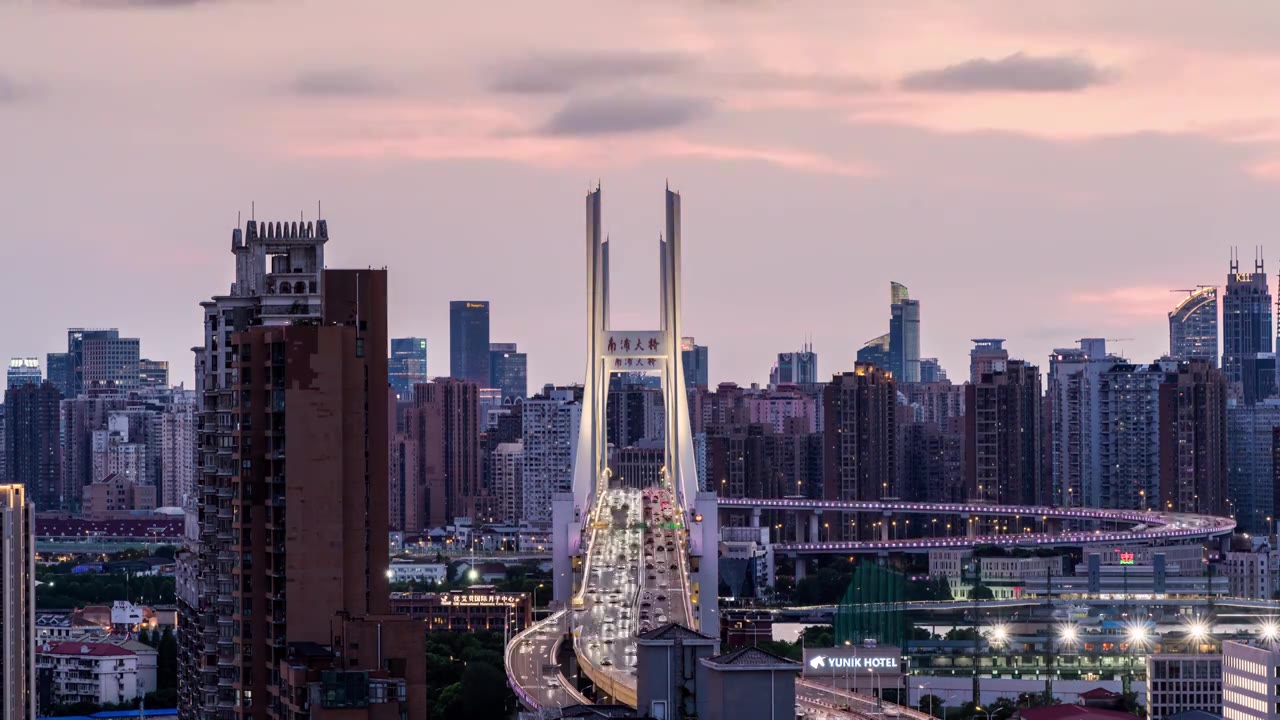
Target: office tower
x=633, y=413
x=1249, y=688
x=1193, y=326
x=509, y=372
x=58, y=370
x=469, y=341
x=1075, y=422
x=153, y=373
x=110, y=364
x=17, y=605
x=875, y=352
x=931, y=370
x=1257, y=377
x=797, y=368
x=23, y=371
x=178, y=453
x=508, y=461
x=987, y=356
x=407, y=366
x=904, y=335
x=1193, y=439
x=694, y=358
x=860, y=439
x=277, y=283
x=1251, y=470
x=1246, y=319
x=4, y=451
x=1129, y=434
x=31, y=442
x=550, y=425
x=443, y=424
x=1002, y=437
x=76, y=338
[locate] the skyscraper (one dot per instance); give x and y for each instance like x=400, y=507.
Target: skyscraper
x=153, y=373
x=1002, y=437
x=550, y=422
x=1251, y=468
x=407, y=366
x=23, y=371
x=508, y=371
x=76, y=338
x=1193, y=326
x=32, y=442
x=443, y=427
x=17, y=605
x=987, y=356
x=110, y=363
x=1246, y=320
x=904, y=335
x=875, y=352
x=58, y=370
x=1129, y=434
x=1193, y=439
x=469, y=341
x=860, y=441
x=931, y=370
x=694, y=357
x=800, y=368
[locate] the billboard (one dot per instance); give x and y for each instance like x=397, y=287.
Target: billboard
x=850, y=659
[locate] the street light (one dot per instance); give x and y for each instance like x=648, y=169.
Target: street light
x=1269, y=630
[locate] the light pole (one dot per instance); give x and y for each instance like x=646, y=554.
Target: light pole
x=1137, y=636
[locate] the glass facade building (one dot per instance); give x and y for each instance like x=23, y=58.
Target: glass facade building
x=508, y=372
x=407, y=366
x=469, y=341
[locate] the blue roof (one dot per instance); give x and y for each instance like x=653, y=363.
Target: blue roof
x=67, y=717
x=159, y=712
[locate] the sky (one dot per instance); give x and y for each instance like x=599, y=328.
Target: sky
x=1039, y=172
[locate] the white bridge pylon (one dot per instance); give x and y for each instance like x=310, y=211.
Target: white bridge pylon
x=611, y=351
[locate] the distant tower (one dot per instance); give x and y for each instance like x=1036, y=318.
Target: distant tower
x=17, y=605
x=469, y=341
x=1246, y=320
x=904, y=335
x=1193, y=326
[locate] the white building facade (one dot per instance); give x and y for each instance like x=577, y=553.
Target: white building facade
x=549, y=429
x=1250, y=690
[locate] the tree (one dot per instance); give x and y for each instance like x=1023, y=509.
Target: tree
x=956, y=634
x=144, y=637
x=167, y=661
x=484, y=692
x=981, y=592
x=931, y=704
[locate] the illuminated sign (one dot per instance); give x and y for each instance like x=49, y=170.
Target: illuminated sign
x=478, y=306
x=479, y=600
x=1126, y=558
x=842, y=660
x=635, y=350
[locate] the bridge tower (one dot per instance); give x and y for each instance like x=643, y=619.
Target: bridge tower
x=651, y=351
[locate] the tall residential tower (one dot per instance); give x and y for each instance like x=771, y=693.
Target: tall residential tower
x=1193, y=326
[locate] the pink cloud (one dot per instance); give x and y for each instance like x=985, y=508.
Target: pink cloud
x=1136, y=300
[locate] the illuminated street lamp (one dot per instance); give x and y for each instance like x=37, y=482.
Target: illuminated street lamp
x=1269, y=630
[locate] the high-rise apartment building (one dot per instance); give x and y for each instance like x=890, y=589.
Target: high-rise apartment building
x=80, y=417
x=277, y=283
x=1075, y=428
x=507, y=461
x=59, y=371
x=469, y=341
x=32, y=451
x=799, y=368
x=988, y=355
x=508, y=372
x=1193, y=440
x=23, y=371
x=407, y=366
x=1193, y=326
x=178, y=453
x=860, y=439
x=904, y=335
x=443, y=426
x=153, y=373
x=1129, y=434
x=1002, y=437
x=1251, y=464
x=1247, y=328
x=695, y=359
x=550, y=425
x=303, y=475
x=933, y=459
x=17, y=605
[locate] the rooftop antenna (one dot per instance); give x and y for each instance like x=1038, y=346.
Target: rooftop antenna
x=253, y=210
x=1235, y=261
x=237, y=219
x=1257, y=259
x=318, y=215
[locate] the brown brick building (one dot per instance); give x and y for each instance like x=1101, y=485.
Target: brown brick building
x=860, y=440
x=442, y=447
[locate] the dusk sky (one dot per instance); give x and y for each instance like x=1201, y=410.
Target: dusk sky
x=1034, y=171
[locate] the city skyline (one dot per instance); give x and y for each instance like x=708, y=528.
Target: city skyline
x=903, y=142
